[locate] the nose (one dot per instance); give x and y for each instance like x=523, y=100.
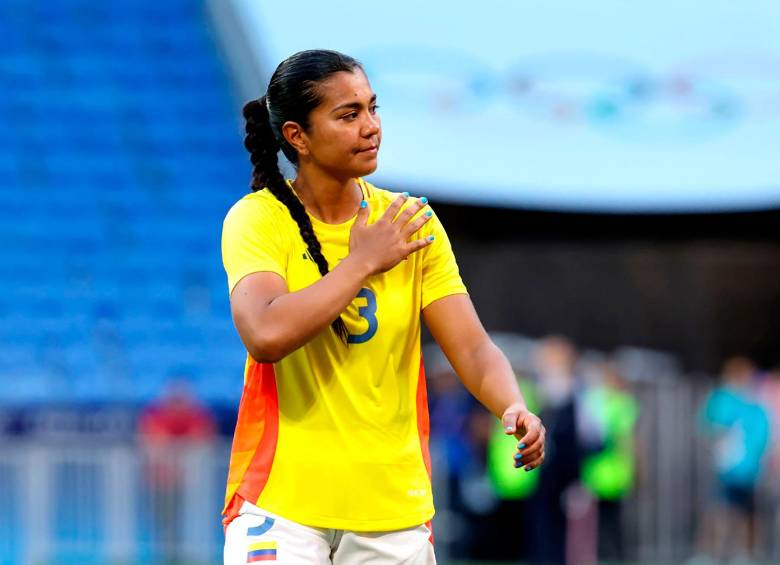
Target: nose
x=371, y=126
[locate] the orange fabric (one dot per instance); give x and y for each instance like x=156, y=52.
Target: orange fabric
x=257, y=431
x=424, y=427
x=232, y=510
x=423, y=422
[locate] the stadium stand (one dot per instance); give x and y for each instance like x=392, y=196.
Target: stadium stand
x=119, y=156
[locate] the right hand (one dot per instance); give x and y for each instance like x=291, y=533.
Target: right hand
x=385, y=243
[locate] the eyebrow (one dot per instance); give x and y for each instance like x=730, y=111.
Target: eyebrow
x=352, y=105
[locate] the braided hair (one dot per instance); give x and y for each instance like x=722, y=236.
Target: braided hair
x=292, y=95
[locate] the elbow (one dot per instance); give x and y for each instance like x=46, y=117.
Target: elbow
x=264, y=347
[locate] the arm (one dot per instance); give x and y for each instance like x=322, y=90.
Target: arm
x=273, y=322
x=485, y=371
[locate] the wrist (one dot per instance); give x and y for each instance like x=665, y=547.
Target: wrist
x=517, y=406
x=359, y=267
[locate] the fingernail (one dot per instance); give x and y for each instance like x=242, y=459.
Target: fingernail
x=431, y=238
x=424, y=200
x=518, y=455
x=529, y=468
x=518, y=464
x=406, y=194
x=520, y=446
x=429, y=213
x=363, y=203
x=509, y=428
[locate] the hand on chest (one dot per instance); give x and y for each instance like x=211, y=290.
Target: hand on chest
x=387, y=303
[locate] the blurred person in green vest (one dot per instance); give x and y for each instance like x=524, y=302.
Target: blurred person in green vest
x=609, y=473
x=512, y=489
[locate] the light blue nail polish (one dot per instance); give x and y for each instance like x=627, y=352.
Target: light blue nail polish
x=509, y=428
x=405, y=194
x=520, y=446
x=529, y=469
x=431, y=238
x=424, y=200
x=518, y=455
x=363, y=203
x=429, y=213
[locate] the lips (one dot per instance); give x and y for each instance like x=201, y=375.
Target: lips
x=369, y=149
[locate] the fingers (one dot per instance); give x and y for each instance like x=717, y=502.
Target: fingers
x=417, y=244
x=509, y=421
x=529, y=457
x=529, y=463
x=363, y=213
x=533, y=427
x=414, y=226
x=393, y=209
x=530, y=448
x=409, y=212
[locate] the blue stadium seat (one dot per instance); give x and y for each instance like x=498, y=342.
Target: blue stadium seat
x=131, y=146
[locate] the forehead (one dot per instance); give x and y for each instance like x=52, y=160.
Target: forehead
x=344, y=88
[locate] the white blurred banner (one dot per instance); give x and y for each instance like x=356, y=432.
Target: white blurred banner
x=610, y=106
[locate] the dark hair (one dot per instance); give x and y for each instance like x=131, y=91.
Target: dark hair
x=292, y=94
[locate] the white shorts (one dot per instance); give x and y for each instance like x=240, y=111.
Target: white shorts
x=257, y=536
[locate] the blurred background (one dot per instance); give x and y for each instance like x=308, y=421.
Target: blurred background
x=610, y=180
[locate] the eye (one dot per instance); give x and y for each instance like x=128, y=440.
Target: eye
x=350, y=116
x=374, y=108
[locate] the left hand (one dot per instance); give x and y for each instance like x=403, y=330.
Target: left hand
x=530, y=432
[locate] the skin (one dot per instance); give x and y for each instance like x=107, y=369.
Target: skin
x=273, y=322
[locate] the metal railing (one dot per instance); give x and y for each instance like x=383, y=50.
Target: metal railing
x=74, y=503
x=71, y=501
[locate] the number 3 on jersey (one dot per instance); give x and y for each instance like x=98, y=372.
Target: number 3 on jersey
x=368, y=312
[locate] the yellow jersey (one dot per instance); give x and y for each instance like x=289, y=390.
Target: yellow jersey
x=335, y=435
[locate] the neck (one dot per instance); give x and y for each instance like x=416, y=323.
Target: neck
x=331, y=200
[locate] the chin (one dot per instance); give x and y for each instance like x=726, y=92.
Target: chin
x=366, y=169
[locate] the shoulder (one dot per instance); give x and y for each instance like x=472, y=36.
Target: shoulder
x=383, y=197
x=256, y=207
x=379, y=198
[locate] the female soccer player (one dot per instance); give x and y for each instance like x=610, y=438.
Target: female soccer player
x=328, y=276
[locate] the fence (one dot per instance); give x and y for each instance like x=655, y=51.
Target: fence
x=76, y=503
x=65, y=501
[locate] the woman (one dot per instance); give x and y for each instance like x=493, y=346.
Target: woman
x=328, y=276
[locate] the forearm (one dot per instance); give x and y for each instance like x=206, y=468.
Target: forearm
x=487, y=374
x=294, y=318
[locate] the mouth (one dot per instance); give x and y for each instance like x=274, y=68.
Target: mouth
x=370, y=150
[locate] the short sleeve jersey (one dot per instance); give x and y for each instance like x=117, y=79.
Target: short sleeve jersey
x=335, y=435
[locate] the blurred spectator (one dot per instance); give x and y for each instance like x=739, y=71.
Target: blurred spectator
x=449, y=407
x=609, y=473
x=739, y=426
x=458, y=432
x=569, y=435
x=512, y=488
x=167, y=428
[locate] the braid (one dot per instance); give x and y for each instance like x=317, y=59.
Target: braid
x=263, y=147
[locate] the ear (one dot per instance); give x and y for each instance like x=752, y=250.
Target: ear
x=296, y=137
